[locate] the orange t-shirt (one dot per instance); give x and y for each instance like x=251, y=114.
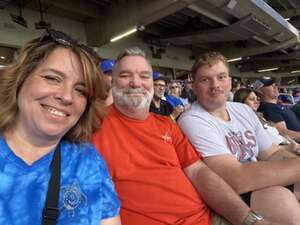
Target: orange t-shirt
x=146, y=160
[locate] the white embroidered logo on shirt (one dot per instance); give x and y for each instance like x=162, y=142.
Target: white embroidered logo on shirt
x=166, y=137
x=73, y=197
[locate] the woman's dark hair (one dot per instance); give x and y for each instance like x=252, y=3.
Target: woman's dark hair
x=242, y=94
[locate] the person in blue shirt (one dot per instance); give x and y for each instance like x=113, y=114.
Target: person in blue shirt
x=173, y=96
x=51, y=98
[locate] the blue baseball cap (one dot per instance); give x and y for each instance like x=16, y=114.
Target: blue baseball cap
x=159, y=76
x=107, y=65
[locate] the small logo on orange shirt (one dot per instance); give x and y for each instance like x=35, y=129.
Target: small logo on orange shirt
x=166, y=137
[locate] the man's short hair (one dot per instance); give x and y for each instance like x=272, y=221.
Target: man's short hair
x=208, y=59
x=131, y=51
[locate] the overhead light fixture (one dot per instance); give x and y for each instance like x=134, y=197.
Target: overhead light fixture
x=141, y=28
x=295, y=71
x=287, y=19
x=131, y=31
x=157, y=52
x=2, y=57
x=19, y=19
x=266, y=70
x=234, y=59
x=42, y=24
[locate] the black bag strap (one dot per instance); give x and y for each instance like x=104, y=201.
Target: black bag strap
x=51, y=210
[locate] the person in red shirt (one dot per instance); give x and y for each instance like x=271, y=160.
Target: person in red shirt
x=158, y=175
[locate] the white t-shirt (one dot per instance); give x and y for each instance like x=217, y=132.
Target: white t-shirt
x=274, y=134
x=243, y=136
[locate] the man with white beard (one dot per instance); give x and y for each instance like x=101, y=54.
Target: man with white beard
x=158, y=175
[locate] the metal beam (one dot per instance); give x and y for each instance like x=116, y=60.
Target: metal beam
x=119, y=18
x=290, y=13
x=292, y=4
x=261, y=64
x=282, y=4
x=209, y=14
x=257, y=50
x=82, y=8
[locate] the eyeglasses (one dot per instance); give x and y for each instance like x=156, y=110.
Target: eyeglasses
x=66, y=41
x=160, y=85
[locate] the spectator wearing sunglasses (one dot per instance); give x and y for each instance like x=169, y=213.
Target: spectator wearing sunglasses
x=174, y=95
x=158, y=104
x=51, y=99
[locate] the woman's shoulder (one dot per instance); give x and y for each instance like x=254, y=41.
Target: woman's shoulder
x=78, y=147
x=81, y=153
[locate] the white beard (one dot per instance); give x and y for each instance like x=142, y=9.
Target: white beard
x=122, y=97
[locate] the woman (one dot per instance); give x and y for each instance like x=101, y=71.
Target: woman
x=179, y=104
x=51, y=97
x=174, y=90
x=247, y=96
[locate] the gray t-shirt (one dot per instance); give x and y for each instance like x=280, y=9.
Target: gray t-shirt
x=243, y=136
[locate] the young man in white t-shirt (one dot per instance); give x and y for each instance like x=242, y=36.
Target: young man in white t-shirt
x=235, y=145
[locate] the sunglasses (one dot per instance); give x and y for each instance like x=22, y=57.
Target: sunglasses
x=65, y=40
x=160, y=85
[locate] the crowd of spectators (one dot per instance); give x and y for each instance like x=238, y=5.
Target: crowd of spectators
x=203, y=151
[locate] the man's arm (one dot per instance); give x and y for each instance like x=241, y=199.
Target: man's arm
x=218, y=195
x=279, y=152
x=244, y=177
x=283, y=130
x=111, y=221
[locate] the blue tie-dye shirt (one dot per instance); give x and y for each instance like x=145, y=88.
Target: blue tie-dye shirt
x=87, y=194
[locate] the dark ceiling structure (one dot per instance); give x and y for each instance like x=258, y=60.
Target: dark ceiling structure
x=265, y=34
